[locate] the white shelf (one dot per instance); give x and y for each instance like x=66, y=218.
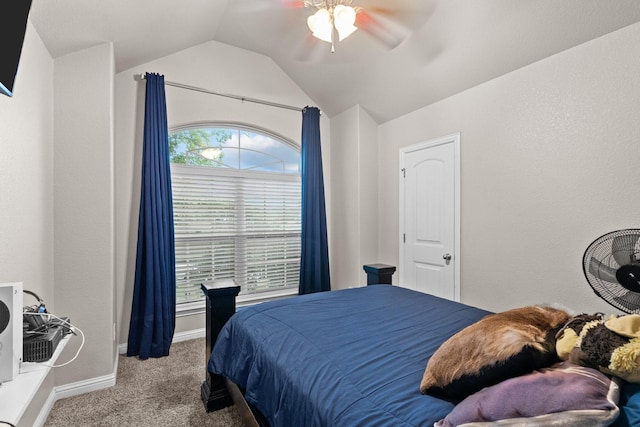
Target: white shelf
x=16, y=395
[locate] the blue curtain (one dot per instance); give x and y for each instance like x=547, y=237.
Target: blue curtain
x=154, y=293
x=314, y=261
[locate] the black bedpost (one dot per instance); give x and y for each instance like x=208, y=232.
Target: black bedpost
x=221, y=305
x=379, y=273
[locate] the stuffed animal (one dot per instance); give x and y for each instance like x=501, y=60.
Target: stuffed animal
x=611, y=344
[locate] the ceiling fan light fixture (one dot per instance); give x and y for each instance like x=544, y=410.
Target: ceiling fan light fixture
x=320, y=25
x=344, y=18
x=331, y=16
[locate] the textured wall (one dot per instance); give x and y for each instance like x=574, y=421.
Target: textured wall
x=549, y=161
x=216, y=67
x=26, y=187
x=26, y=173
x=354, y=168
x=84, y=252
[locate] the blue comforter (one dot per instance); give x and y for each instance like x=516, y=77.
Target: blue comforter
x=352, y=357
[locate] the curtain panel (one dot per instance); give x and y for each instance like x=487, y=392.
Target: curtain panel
x=154, y=296
x=314, y=260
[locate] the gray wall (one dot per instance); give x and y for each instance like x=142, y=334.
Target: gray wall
x=84, y=249
x=26, y=174
x=57, y=205
x=354, y=168
x=220, y=68
x=549, y=161
x=26, y=186
x=548, y=164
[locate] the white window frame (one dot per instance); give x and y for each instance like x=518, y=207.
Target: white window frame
x=183, y=309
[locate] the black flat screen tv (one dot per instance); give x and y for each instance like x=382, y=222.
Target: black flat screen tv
x=13, y=25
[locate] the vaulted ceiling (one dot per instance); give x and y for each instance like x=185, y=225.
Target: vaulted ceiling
x=407, y=54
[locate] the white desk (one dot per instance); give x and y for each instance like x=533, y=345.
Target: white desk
x=16, y=395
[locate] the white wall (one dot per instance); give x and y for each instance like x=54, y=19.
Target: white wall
x=354, y=167
x=56, y=211
x=84, y=222
x=26, y=186
x=549, y=163
x=61, y=188
x=26, y=174
x=212, y=66
x=368, y=177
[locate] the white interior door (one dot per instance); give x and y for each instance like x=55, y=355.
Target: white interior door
x=430, y=217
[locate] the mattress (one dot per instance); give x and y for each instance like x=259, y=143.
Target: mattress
x=352, y=357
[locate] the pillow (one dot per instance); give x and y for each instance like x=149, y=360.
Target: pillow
x=562, y=395
x=497, y=347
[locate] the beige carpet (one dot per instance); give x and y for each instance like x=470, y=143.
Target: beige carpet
x=153, y=392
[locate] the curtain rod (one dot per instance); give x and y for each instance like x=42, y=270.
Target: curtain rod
x=140, y=77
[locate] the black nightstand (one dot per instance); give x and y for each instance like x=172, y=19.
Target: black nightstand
x=379, y=273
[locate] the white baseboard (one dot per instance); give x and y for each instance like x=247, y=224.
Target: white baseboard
x=177, y=337
x=190, y=335
x=75, y=389
x=85, y=386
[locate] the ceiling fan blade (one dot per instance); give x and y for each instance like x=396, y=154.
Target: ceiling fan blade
x=310, y=49
x=297, y=4
x=384, y=29
x=602, y=271
x=412, y=14
x=623, y=248
x=258, y=6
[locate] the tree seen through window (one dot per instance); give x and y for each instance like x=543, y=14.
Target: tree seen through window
x=236, y=197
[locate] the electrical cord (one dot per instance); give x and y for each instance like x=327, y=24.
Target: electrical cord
x=73, y=328
x=33, y=294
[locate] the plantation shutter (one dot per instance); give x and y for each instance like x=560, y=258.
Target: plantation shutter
x=240, y=225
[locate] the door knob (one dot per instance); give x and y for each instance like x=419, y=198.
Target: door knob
x=446, y=257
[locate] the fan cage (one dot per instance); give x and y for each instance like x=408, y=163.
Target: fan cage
x=600, y=279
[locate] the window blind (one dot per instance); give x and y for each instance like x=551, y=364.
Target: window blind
x=240, y=225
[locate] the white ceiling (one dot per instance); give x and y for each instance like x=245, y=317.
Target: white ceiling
x=447, y=46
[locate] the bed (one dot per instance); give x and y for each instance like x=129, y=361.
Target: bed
x=353, y=357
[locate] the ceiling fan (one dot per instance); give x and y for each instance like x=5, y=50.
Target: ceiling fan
x=334, y=20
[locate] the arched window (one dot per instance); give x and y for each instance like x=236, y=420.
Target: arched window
x=236, y=204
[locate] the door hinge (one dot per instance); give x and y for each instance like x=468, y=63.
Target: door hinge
x=404, y=238
x=404, y=172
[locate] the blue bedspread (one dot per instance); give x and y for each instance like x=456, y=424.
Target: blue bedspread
x=352, y=357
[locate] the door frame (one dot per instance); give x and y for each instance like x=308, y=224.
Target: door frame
x=447, y=139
